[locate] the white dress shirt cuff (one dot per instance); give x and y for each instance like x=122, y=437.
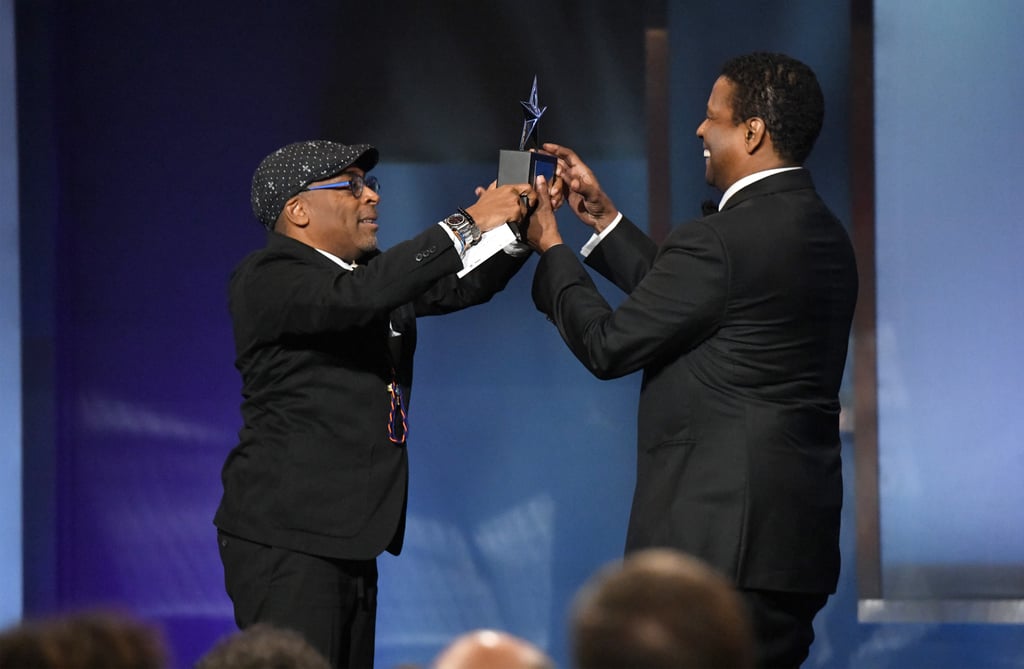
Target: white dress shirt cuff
x=597, y=237
x=456, y=240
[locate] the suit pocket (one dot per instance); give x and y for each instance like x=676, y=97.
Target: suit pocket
x=690, y=496
x=669, y=444
x=661, y=474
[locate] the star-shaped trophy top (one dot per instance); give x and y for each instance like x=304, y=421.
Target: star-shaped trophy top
x=531, y=114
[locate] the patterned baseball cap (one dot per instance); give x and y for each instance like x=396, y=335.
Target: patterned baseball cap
x=291, y=168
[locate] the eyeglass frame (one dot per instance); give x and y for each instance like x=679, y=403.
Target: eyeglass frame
x=356, y=184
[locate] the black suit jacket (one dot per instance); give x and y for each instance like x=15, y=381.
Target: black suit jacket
x=740, y=322
x=314, y=470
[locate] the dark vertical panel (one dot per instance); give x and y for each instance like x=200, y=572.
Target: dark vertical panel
x=656, y=37
x=862, y=190
x=39, y=194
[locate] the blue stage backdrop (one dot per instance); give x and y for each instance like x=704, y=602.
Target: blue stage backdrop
x=950, y=301
x=140, y=127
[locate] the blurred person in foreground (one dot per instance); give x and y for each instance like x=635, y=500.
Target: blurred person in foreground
x=660, y=609
x=94, y=639
x=740, y=322
x=263, y=646
x=325, y=332
x=490, y=649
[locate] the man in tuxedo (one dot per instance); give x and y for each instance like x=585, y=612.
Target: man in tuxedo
x=325, y=331
x=740, y=321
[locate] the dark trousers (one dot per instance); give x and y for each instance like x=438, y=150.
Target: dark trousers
x=332, y=603
x=783, y=629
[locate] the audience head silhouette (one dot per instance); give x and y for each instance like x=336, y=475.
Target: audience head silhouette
x=659, y=609
x=83, y=640
x=263, y=646
x=489, y=649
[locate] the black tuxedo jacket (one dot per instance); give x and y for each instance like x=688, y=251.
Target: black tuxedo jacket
x=314, y=470
x=740, y=322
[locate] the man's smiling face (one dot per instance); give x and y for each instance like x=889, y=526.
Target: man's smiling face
x=724, y=140
x=339, y=222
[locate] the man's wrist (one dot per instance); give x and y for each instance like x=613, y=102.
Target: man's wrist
x=464, y=227
x=605, y=221
x=546, y=243
x=598, y=236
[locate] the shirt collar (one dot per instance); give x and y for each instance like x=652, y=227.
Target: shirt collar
x=749, y=179
x=348, y=266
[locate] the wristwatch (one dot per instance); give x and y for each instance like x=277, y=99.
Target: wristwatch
x=464, y=226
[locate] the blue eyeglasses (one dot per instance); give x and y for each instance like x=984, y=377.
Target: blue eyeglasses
x=355, y=184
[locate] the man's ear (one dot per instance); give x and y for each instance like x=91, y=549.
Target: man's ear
x=755, y=133
x=294, y=213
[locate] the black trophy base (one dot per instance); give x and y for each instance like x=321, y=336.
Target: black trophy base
x=522, y=167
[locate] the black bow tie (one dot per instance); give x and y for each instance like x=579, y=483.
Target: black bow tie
x=708, y=207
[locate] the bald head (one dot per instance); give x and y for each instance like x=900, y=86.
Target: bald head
x=660, y=608
x=488, y=649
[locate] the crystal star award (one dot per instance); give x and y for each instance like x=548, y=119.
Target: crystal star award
x=514, y=167
x=523, y=166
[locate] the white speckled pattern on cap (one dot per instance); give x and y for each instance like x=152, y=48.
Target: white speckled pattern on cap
x=291, y=168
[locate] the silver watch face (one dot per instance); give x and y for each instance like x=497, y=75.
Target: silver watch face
x=457, y=219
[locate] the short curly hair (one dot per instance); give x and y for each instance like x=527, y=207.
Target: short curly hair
x=660, y=608
x=784, y=93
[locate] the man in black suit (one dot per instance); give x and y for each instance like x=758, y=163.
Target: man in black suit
x=740, y=322
x=325, y=331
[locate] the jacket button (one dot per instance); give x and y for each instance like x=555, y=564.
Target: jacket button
x=419, y=257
